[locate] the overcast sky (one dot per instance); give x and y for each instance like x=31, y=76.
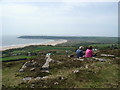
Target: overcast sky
x=60, y=18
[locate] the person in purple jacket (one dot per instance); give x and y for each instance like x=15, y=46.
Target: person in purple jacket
x=89, y=52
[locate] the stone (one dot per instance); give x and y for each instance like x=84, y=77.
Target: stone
x=33, y=86
x=27, y=79
x=48, y=60
x=61, y=78
x=70, y=56
x=109, y=63
x=37, y=78
x=76, y=71
x=48, y=55
x=23, y=67
x=33, y=61
x=59, y=62
x=45, y=67
x=107, y=55
x=47, y=71
x=32, y=69
x=35, y=64
x=56, y=83
x=100, y=59
x=86, y=66
x=79, y=59
x=28, y=64
x=21, y=70
x=117, y=57
x=45, y=77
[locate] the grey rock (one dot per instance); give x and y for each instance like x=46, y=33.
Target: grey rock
x=107, y=55
x=27, y=79
x=28, y=64
x=32, y=69
x=34, y=63
x=56, y=83
x=37, y=78
x=86, y=66
x=33, y=86
x=45, y=77
x=21, y=70
x=76, y=71
x=47, y=71
x=23, y=67
x=61, y=78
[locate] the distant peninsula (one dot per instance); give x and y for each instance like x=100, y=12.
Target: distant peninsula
x=50, y=37
x=96, y=39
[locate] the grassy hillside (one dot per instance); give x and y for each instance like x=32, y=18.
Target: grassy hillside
x=65, y=72
x=97, y=75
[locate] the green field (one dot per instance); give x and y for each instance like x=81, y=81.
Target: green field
x=7, y=55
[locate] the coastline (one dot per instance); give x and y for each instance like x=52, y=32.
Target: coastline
x=53, y=43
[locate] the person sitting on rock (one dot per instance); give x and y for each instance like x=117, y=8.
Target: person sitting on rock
x=89, y=52
x=79, y=52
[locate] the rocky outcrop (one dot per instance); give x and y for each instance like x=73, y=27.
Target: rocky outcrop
x=45, y=67
x=29, y=64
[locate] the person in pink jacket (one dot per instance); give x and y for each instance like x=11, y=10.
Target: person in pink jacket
x=89, y=52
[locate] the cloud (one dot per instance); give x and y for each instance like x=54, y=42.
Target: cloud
x=46, y=18
x=60, y=13
x=17, y=9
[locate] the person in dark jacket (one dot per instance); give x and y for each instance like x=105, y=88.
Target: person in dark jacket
x=79, y=52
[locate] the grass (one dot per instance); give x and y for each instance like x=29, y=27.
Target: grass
x=87, y=78
x=7, y=55
x=18, y=51
x=17, y=57
x=97, y=75
x=101, y=45
x=9, y=74
x=105, y=77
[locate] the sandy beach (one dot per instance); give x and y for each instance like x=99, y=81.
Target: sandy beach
x=53, y=43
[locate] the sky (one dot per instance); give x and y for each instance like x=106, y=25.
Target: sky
x=61, y=18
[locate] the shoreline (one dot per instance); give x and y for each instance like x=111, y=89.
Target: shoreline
x=53, y=43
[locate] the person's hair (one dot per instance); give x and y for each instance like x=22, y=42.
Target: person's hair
x=90, y=47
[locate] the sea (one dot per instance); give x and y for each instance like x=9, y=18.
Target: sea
x=14, y=41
